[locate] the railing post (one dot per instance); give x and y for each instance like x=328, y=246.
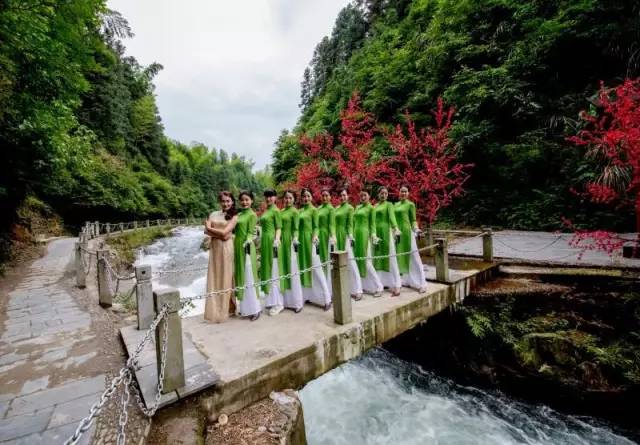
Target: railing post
x=96, y=226
x=430, y=251
x=341, y=298
x=174, y=367
x=81, y=278
x=144, y=297
x=487, y=245
x=147, y=223
x=108, y=228
x=442, y=260
x=105, y=299
x=121, y=226
x=135, y=225
x=158, y=222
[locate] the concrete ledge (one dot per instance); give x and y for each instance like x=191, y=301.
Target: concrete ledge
x=198, y=374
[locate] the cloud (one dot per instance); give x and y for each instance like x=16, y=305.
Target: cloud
x=232, y=70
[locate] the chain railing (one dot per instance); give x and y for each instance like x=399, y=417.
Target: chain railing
x=125, y=379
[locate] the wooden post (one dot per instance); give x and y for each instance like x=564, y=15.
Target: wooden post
x=487, y=245
x=135, y=225
x=144, y=297
x=105, y=299
x=174, y=368
x=442, y=260
x=147, y=223
x=121, y=227
x=108, y=228
x=96, y=226
x=341, y=298
x=81, y=278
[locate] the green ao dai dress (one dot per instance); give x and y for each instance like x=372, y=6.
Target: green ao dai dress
x=270, y=222
x=314, y=283
x=344, y=235
x=410, y=265
x=288, y=260
x=387, y=267
x=364, y=229
x=245, y=264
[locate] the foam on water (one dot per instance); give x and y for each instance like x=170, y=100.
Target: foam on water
x=380, y=399
x=179, y=251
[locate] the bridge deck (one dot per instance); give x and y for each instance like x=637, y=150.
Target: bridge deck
x=251, y=359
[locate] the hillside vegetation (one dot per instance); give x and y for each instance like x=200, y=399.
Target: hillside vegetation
x=518, y=74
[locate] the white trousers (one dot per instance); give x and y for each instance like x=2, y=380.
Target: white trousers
x=250, y=303
x=318, y=293
x=293, y=297
x=371, y=283
x=391, y=279
x=274, y=298
x=355, y=281
x=415, y=278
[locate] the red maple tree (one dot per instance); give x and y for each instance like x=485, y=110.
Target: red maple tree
x=315, y=172
x=348, y=165
x=426, y=160
x=354, y=164
x=613, y=137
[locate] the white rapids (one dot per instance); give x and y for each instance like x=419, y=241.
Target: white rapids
x=381, y=399
x=176, y=253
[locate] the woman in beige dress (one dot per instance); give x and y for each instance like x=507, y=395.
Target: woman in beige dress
x=219, y=226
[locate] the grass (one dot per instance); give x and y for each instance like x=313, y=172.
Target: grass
x=125, y=244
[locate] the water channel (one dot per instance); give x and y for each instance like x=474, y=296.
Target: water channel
x=381, y=399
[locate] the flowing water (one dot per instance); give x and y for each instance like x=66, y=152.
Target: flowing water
x=173, y=255
x=381, y=399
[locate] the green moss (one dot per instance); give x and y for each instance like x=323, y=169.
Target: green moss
x=126, y=244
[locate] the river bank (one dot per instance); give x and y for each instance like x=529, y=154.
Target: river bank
x=569, y=342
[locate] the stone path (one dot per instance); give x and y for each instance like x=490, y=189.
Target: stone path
x=543, y=247
x=50, y=373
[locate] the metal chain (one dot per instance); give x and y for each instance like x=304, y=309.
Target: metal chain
x=124, y=414
x=85, y=423
x=149, y=412
x=125, y=375
x=256, y=284
x=546, y=246
x=176, y=271
x=410, y=252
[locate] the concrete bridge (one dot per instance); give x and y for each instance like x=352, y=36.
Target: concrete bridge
x=237, y=363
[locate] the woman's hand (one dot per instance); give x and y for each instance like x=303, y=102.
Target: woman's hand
x=314, y=239
x=375, y=240
x=276, y=242
x=295, y=241
x=396, y=232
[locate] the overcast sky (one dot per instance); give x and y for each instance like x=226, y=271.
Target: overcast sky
x=232, y=69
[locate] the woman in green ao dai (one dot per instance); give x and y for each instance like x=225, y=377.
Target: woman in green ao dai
x=314, y=283
x=326, y=232
x=344, y=241
x=245, y=264
x=270, y=227
x=385, y=246
x=364, y=231
x=410, y=265
x=288, y=259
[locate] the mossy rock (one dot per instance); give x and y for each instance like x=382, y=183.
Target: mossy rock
x=562, y=348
